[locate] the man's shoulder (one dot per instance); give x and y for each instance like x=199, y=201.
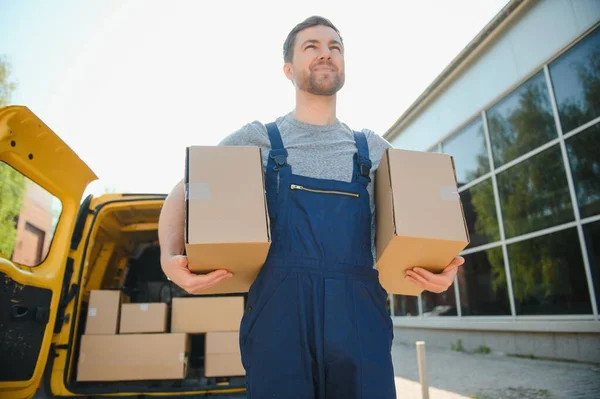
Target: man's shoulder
x=253, y=133
x=377, y=145
x=374, y=140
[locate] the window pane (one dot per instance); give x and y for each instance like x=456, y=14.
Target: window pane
x=576, y=81
x=28, y=218
x=443, y=304
x=534, y=194
x=522, y=121
x=480, y=211
x=405, y=305
x=469, y=151
x=482, y=284
x=584, y=157
x=592, y=240
x=548, y=275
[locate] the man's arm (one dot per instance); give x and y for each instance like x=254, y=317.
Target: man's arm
x=171, y=224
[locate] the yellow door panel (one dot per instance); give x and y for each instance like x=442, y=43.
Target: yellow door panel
x=41, y=184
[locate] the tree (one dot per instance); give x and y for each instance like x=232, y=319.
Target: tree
x=6, y=87
x=12, y=183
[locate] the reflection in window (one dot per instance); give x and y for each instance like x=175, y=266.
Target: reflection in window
x=548, y=276
x=522, y=121
x=534, y=194
x=584, y=157
x=443, y=304
x=591, y=232
x=480, y=211
x=406, y=305
x=576, y=81
x=28, y=218
x=469, y=151
x=482, y=284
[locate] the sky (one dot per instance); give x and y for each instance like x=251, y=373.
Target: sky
x=129, y=84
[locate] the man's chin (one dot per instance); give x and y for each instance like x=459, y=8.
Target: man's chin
x=321, y=92
x=324, y=90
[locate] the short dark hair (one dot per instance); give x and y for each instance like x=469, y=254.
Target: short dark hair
x=290, y=41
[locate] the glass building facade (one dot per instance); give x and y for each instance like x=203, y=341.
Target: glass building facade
x=528, y=169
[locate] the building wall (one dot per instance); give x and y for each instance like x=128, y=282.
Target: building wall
x=535, y=37
x=581, y=347
x=523, y=126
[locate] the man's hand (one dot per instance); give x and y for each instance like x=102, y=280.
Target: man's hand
x=435, y=282
x=176, y=269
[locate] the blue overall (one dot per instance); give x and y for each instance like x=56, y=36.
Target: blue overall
x=316, y=324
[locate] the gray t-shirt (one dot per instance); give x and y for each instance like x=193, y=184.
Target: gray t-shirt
x=317, y=151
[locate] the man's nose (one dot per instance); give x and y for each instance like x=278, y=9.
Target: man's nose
x=325, y=54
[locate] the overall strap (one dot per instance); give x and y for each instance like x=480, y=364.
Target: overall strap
x=277, y=160
x=362, y=162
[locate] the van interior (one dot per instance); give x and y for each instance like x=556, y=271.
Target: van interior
x=121, y=252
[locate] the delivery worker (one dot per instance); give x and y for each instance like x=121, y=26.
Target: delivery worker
x=316, y=324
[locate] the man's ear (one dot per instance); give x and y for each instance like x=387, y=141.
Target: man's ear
x=288, y=71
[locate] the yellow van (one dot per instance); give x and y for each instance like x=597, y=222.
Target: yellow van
x=55, y=249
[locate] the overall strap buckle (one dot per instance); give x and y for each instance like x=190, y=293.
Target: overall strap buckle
x=363, y=162
x=365, y=167
x=279, y=156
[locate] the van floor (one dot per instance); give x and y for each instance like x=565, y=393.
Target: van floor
x=145, y=282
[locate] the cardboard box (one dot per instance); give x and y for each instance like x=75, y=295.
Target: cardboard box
x=227, y=223
x=206, y=314
x=133, y=357
x=143, y=318
x=103, y=311
x=420, y=219
x=222, y=355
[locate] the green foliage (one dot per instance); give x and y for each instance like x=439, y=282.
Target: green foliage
x=12, y=190
x=458, y=347
x=12, y=183
x=6, y=87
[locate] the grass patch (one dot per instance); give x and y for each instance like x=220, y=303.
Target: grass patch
x=458, y=347
x=483, y=349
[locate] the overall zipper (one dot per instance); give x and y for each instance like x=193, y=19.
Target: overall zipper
x=312, y=190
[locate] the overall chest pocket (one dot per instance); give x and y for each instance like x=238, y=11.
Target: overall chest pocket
x=327, y=223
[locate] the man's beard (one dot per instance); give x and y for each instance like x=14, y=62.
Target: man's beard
x=322, y=85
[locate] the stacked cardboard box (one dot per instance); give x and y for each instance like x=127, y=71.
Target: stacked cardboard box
x=125, y=341
x=130, y=341
x=218, y=318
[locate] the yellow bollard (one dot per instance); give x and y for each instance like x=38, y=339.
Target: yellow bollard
x=422, y=369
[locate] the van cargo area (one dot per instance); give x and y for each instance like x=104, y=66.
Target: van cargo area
x=121, y=255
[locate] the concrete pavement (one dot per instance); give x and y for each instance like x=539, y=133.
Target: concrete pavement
x=457, y=375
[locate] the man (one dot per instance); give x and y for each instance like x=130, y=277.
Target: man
x=316, y=324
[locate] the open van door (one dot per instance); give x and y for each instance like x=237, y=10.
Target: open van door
x=41, y=185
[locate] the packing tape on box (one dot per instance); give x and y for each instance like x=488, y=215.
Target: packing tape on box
x=92, y=312
x=197, y=191
x=449, y=193
x=144, y=307
x=181, y=357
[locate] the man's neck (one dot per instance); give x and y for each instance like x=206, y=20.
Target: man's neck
x=315, y=110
